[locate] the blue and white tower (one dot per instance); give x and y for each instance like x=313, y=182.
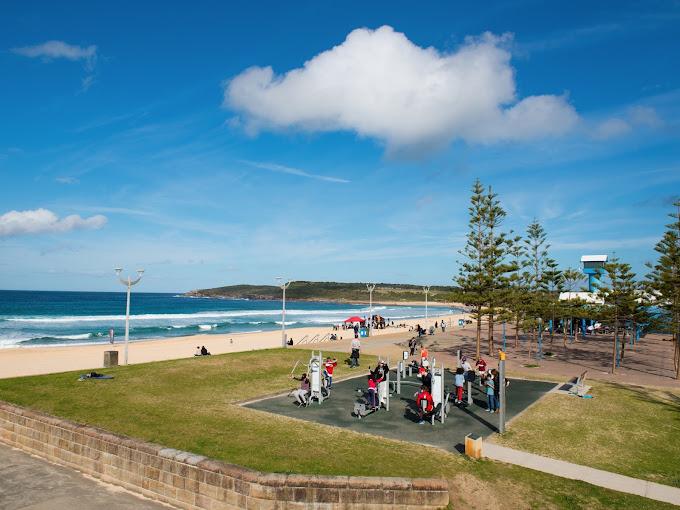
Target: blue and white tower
x=593, y=266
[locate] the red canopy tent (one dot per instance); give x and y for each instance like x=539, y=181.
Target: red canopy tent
x=355, y=319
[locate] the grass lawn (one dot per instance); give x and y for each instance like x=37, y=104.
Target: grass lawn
x=630, y=430
x=190, y=405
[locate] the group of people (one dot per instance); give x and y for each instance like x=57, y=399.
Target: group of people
x=302, y=394
x=489, y=381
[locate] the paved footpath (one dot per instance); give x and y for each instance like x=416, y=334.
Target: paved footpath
x=30, y=483
x=590, y=475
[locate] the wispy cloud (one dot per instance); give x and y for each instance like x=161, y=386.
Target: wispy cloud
x=53, y=50
x=274, y=167
x=66, y=180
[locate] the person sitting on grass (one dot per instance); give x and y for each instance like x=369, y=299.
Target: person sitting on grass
x=301, y=394
x=329, y=366
x=372, y=393
x=425, y=404
x=198, y=351
x=459, y=382
x=204, y=351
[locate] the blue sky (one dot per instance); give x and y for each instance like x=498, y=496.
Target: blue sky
x=215, y=143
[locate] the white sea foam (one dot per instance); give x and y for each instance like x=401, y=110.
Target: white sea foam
x=184, y=316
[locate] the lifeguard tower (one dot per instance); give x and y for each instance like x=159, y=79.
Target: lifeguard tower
x=593, y=266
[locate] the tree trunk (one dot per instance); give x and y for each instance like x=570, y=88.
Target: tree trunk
x=623, y=344
x=575, y=330
x=552, y=325
x=616, y=338
x=531, y=339
x=517, y=331
x=491, y=334
x=564, y=333
x=479, y=330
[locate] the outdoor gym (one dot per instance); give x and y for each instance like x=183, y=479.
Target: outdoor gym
x=348, y=404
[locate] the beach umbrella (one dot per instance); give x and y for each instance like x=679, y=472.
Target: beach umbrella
x=355, y=319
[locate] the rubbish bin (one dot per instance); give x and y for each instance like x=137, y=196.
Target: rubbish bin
x=363, y=332
x=473, y=446
x=110, y=359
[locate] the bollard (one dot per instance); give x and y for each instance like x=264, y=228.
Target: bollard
x=469, y=393
x=410, y=371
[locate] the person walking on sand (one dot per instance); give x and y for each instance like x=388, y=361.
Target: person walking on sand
x=112, y=335
x=443, y=325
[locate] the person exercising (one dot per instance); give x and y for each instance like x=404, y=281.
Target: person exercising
x=329, y=366
x=301, y=394
x=425, y=404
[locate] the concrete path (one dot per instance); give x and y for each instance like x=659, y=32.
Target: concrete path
x=27, y=482
x=590, y=475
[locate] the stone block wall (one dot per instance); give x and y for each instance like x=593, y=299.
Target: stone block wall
x=193, y=481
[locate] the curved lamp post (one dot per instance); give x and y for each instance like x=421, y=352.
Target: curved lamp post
x=284, y=285
x=370, y=287
x=129, y=282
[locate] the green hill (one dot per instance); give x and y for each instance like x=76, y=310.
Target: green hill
x=331, y=291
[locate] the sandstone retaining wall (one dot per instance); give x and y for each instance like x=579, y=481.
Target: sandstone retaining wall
x=193, y=481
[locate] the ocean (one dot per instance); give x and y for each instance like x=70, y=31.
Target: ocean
x=33, y=318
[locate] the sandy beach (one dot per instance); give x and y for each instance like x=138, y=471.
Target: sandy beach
x=21, y=361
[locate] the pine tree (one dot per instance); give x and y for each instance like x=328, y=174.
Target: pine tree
x=570, y=279
x=663, y=282
x=553, y=286
x=495, y=265
x=471, y=278
x=536, y=266
x=619, y=294
x=517, y=285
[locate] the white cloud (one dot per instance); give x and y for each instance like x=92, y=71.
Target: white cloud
x=59, y=49
x=634, y=117
x=612, y=128
x=274, y=167
x=379, y=84
x=40, y=221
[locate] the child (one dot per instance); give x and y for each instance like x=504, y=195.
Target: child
x=491, y=397
x=459, y=381
x=481, y=368
x=372, y=393
x=329, y=366
x=425, y=404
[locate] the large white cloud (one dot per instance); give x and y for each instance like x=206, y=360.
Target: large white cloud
x=39, y=221
x=381, y=85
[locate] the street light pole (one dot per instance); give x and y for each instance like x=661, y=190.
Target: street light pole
x=426, y=290
x=283, y=286
x=371, y=288
x=129, y=282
